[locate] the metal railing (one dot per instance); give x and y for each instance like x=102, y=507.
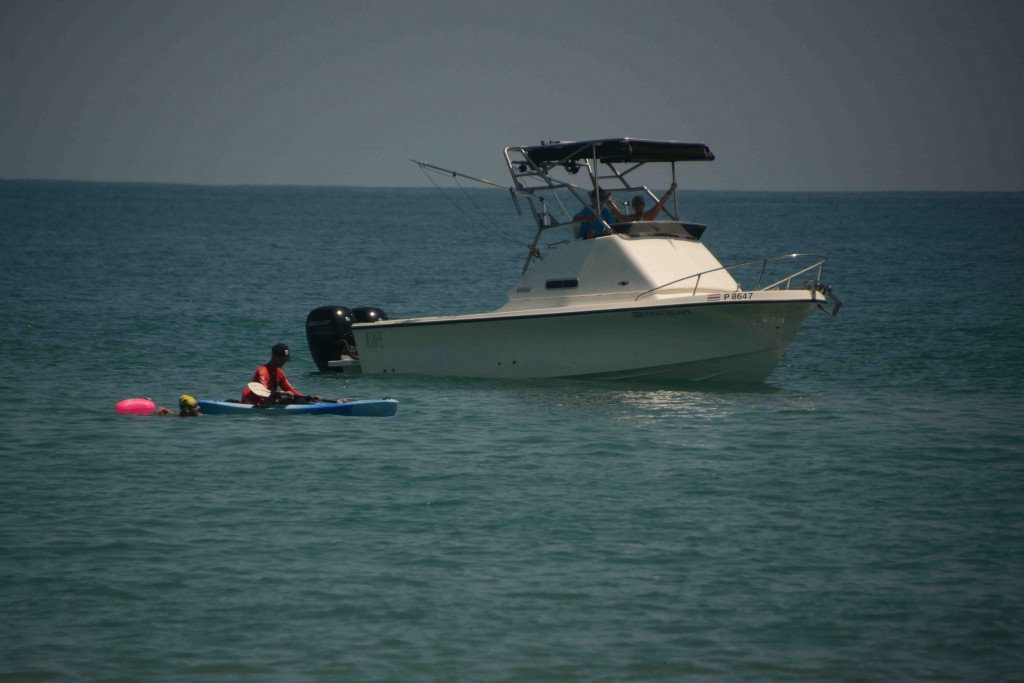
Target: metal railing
x=785, y=283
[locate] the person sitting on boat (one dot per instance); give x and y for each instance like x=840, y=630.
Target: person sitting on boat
x=273, y=378
x=638, y=202
x=188, y=407
x=589, y=227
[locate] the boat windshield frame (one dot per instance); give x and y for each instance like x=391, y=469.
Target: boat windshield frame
x=542, y=175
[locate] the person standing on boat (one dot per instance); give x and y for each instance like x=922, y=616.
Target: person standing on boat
x=273, y=378
x=589, y=227
x=638, y=204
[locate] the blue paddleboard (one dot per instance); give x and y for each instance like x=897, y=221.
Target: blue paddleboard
x=380, y=408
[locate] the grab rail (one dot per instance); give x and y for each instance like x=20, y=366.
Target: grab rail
x=787, y=281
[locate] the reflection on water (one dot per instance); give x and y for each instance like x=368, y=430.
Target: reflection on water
x=641, y=403
x=656, y=405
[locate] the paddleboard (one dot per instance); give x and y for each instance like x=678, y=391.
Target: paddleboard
x=375, y=408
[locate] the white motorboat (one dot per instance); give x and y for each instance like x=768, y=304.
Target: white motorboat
x=644, y=300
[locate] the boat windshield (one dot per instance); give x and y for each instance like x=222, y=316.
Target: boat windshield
x=557, y=180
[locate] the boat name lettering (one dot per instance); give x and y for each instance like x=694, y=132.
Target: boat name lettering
x=375, y=339
x=660, y=313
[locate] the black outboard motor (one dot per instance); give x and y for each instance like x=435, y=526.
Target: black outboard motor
x=368, y=314
x=329, y=333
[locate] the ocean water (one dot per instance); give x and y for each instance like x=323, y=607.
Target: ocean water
x=857, y=517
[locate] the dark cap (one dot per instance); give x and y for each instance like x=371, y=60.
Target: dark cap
x=604, y=193
x=281, y=350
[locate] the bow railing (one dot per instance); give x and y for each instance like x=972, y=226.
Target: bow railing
x=762, y=266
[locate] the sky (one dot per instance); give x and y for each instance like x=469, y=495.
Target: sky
x=794, y=95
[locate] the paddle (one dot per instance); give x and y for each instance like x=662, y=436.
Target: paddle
x=259, y=389
x=263, y=392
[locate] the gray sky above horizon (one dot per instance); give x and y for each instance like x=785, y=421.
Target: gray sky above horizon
x=790, y=95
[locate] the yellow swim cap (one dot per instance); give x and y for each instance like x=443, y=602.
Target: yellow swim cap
x=186, y=403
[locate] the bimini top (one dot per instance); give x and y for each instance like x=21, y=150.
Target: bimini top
x=618, y=150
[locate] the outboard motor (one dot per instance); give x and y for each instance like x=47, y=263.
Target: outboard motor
x=368, y=314
x=329, y=333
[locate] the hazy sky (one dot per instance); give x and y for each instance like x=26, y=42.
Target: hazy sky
x=790, y=94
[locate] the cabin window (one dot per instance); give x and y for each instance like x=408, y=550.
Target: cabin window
x=563, y=284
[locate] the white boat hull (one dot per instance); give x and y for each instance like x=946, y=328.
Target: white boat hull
x=722, y=341
x=641, y=298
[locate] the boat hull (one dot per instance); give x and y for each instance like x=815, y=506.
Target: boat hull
x=723, y=341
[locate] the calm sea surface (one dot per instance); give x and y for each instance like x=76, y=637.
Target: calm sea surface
x=860, y=516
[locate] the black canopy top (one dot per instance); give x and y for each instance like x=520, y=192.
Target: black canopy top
x=618, y=150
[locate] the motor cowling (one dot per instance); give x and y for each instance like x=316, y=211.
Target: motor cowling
x=329, y=334
x=369, y=314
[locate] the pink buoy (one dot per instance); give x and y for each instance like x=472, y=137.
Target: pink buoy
x=135, y=406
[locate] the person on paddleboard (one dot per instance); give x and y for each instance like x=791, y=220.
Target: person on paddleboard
x=188, y=407
x=271, y=376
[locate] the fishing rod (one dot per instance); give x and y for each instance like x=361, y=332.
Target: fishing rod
x=544, y=217
x=514, y=192
x=425, y=165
